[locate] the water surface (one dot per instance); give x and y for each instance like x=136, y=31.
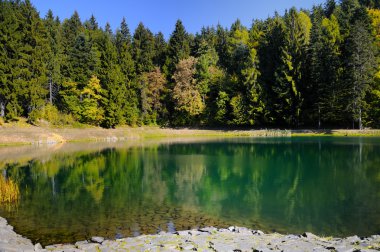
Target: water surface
x=328, y=186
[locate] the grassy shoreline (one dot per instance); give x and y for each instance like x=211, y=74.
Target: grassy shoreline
x=25, y=134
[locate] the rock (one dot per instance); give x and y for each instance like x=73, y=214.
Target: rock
x=209, y=229
x=262, y=249
x=243, y=230
x=97, y=239
x=183, y=233
x=375, y=237
x=292, y=237
x=232, y=228
x=37, y=247
x=80, y=243
x=188, y=247
x=352, y=239
x=344, y=249
x=309, y=235
x=3, y=222
x=257, y=232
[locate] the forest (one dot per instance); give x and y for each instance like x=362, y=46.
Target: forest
x=315, y=68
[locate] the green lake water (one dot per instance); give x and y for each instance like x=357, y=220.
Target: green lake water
x=325, y=185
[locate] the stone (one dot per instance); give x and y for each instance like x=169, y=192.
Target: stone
x=262, y=249
x=37, y=247
x=232, y=228
x=97, y=239
x=257, y=232
x=88, y=246
x=352, y=239
x=309, y=235
x=243, y=230
x=3, y=222
x=188, y=247
x=183, y=233
x=204, y=239
x=79, y=243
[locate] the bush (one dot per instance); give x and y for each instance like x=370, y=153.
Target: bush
x=1, y=121
x=51, y=114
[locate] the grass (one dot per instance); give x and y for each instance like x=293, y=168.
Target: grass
x=9, y=191
x=21, y=133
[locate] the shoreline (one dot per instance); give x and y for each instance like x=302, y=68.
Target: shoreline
x=16, y=135
x=204, y=239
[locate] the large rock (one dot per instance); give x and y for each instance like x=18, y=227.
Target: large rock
x=97, y=239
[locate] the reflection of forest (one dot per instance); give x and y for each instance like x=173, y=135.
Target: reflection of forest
x=316, y=185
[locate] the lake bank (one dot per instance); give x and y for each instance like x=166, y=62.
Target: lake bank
x=204, y=239
x=26, y=134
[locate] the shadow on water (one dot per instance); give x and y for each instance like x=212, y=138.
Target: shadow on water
x=323, y=185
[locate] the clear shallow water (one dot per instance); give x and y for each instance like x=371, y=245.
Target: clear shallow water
x=328, y=186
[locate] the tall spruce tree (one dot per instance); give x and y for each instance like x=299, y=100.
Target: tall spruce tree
x=178, y=47
x=126, y=63
x=33, y=54
x=54, y=64
x=360, y=72
x=143, y=49
x=10, y=39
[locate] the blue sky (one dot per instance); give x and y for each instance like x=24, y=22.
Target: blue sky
x=161, y=15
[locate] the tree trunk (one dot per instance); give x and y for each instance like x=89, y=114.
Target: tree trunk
x=50, y=91
x=2, y=109
x=360, y=119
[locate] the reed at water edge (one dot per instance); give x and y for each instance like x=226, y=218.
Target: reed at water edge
x=9, y=191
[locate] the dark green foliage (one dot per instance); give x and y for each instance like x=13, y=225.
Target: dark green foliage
x=160, y=48
x=303, y=69
x=178, y=47
x=83, y=60
x=143, y=49
x=360, y=70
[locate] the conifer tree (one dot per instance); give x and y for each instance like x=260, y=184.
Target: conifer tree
x=360, y=72
x=126, y=63
x=143, y=49
x=178, y=47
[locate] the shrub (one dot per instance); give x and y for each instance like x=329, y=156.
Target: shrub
x=51, y=114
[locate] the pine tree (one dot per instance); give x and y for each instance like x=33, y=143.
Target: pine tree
x=178, y=47
x=330, y=7
x=114, y=89
x=56, y=55
x=91, y=24
x=330, y=90
x=33, y=54
x=361, y=65
x=71, y=28
x=83, y=60
x=143, y=49
x=160, y=48
x=298, y=25
x=272, y=53
x=10, y=37
x=127, y=66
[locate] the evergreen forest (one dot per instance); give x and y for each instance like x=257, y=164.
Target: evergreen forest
x=317, y=68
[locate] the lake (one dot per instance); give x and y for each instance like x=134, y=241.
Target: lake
x=326, y=185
